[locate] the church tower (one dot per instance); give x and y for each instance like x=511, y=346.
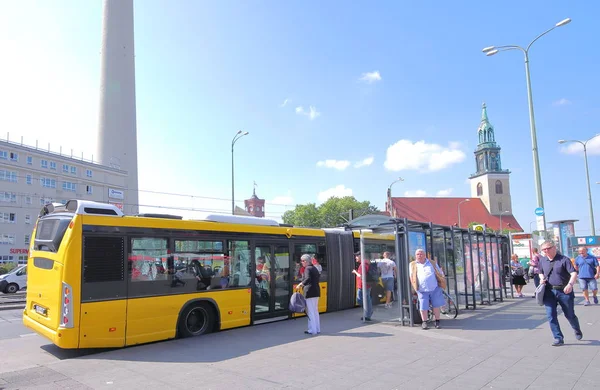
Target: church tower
x=490, y=182
x=255, y=206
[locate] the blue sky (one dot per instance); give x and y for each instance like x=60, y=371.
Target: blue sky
x=394, y=85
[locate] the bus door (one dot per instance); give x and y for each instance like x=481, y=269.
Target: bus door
x=271, y=287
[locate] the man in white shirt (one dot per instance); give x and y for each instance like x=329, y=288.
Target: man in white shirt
x=387, y=268
x=424, y=278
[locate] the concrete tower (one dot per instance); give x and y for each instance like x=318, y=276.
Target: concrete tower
x=117, y=138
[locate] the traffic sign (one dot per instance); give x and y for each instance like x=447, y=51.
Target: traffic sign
x=591, y=240
x=539, y=211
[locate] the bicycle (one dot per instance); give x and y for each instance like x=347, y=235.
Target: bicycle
x=449, y=310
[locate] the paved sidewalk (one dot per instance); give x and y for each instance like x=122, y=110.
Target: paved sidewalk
x=503, y=346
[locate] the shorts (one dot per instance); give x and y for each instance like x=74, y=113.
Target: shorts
x=388, y=284
x=588, y=284
x=435, y=297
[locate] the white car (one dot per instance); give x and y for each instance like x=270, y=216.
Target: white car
x=14, y=281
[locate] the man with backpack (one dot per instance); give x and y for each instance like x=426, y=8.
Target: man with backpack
x=428, y=281
x=367, y=304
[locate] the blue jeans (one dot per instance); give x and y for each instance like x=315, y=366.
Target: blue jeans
x=553, y=298
x=536, y=280
x=369, y=307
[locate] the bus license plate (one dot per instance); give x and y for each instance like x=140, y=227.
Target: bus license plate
x=40, y=310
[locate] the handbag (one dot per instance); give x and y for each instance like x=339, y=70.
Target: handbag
x=539, y=294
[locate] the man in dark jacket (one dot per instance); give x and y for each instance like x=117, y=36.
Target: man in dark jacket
x=312, y=292
x=559, y=275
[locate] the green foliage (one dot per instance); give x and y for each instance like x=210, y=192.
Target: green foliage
x=7, y=267
x=334, y=212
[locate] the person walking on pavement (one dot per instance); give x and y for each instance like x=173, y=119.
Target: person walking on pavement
x=425, y=278
x=534, y=268
x=368, y=305
x=312, y=292
x=588, y=272
x=558, y=274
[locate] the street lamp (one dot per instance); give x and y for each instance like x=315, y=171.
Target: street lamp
x=490, y=51
x=502, y=212
x=391, y=206
x=587, y=175
x=237, y=136
x=459, y=203
x=530, y=229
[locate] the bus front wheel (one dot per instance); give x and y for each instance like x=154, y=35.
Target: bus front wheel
x=196, y=320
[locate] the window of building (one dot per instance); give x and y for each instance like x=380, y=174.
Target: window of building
x=73, y=170
x=3, y=154
x=65, y=168
x=47, y=182
x=28, y=199
x=479, y=189
x=45, y=201
x=27, y=219
x=27, y=239
x=29, y=160
x=69, y=186
x=498, y=187
x=7, y=239
x=28, y=179
x=88, y=189
x=44, y=163
x=10, y=197
x=53, y=165
x=14, y=156
x=8, y=176
x=88, y=172
x=8, y=218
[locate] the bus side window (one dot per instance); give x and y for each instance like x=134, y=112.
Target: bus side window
x=239, y=264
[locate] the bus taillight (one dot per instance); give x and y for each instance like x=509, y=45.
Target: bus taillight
x=67, y=307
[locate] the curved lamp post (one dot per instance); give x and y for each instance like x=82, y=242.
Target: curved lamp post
x=390, y=195
x=502, y=212
x=237, y=136
x=587, y=175
x=490, y=51
x=459, y=203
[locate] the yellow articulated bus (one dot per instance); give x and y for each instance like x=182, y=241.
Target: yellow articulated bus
x=98, y=278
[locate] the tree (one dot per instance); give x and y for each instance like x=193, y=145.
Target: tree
x=334, y=212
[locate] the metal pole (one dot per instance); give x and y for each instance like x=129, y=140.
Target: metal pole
x=534, y=147
x=232, y=182
x=363, y=271
x=587, y=175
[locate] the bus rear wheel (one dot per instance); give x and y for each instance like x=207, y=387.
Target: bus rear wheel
x=196, y=320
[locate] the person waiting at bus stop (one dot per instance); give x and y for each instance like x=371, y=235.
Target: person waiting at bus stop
x=312, y=292
x=368, y=303
x=425, y=275
x=559, y=275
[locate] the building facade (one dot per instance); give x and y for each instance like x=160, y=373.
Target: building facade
x=490, y=182
x=32, y=177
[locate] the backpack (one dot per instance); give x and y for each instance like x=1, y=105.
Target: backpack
x=373, y=272
x=297, y=303
x=519, y=271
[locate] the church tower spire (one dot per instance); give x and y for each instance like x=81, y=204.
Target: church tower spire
x=490, y=182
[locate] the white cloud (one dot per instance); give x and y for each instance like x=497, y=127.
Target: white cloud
x=562, y=102
x=340, y=165
x=420, y=156
x=312, y=112
x=338, y=191
x=444, y=193
x=593, y=147
x=285, y=102
x=415, y=194
x=370, y=77
x=364, y=163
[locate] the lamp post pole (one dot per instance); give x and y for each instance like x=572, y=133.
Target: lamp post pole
x=490, y=51
x=502, y=212
x=237, y=136
x=459, y=203
x=392, y=211
x=587, y=175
